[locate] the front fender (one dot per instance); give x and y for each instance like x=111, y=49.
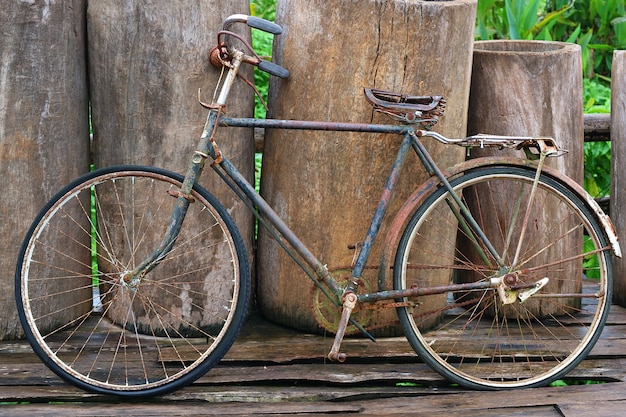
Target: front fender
x=417, y=198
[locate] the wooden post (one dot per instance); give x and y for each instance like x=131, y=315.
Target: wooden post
x=516, y=90
x=44, y=136
x=531, y=88
x=618, y=176
x=147, y=61
x=327, y=185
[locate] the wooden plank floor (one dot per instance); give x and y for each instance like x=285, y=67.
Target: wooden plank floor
x=272, y=370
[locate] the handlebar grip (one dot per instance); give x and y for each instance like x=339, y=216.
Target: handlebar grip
x=264, y=25
x=273, y=69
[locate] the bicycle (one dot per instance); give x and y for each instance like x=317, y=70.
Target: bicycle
x=154, y=277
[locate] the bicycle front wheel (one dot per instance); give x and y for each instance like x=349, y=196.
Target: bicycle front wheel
x=146, y=337
x=484, y=337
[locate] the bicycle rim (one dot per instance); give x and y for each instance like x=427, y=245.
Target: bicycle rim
x=471, y=337
x=145, y=338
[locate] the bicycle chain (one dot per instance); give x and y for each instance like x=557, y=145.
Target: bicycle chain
x=327, y=314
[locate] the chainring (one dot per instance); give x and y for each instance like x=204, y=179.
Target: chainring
x=328, y=315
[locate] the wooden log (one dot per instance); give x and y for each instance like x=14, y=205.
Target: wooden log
x=618, y=176
x=327, y=185
x=516, y=91
x=44, y=130
x=597, y=127
x=148, y=60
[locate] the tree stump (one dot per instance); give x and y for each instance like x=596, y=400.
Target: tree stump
x=516, y=90
x=148, y=60
x=531, y=88
x=44, y=130
x=618, y=159
x=327, y=185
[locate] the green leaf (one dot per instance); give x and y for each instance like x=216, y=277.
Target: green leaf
x=619, y=30
x=549, y=19
x=572, y=38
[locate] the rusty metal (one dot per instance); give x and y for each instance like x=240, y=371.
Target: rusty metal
x=570, y=295
x=382, y=304
x=533, y=146
x=313, y=125
x=509, y=279
x=349, y=303
x=414, y=292
x=327, y=307
x=530, y=292
x=178, y=193
x=217, y=56
x=419, y=110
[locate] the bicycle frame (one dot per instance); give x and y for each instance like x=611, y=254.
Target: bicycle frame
x=410, y=141
x=345, y=297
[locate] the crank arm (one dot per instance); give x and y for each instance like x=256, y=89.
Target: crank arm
x=349, y=303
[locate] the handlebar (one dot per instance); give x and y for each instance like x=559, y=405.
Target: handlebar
x=256, y=23
x=273, y=69
x=253, y=22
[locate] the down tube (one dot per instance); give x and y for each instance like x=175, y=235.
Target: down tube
x=266, y=210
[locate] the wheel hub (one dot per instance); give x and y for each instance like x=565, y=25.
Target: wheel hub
x=129, y=281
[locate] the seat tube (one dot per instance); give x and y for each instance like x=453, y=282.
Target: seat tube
x=383, y=204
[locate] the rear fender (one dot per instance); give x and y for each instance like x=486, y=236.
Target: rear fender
x=417, y=198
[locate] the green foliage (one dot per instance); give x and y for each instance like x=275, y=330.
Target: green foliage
x=568, y=382
x=597, y=181
x=516, y=19
x=598, y=26
x=265, y=9
x=598, y=168
x=262, y=43
x=258, y=162
x=596, y=97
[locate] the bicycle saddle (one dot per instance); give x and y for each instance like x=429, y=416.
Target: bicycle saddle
x=422, y=110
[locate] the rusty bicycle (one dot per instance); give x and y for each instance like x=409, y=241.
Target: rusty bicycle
x=134, y=280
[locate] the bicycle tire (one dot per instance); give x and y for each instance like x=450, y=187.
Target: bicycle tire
x=470, y=337
x=98, y=332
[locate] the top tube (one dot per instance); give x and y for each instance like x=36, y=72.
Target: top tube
x=314, y=125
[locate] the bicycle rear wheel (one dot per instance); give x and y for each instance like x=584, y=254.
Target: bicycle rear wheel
x=104, y=334
x=469, y=335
